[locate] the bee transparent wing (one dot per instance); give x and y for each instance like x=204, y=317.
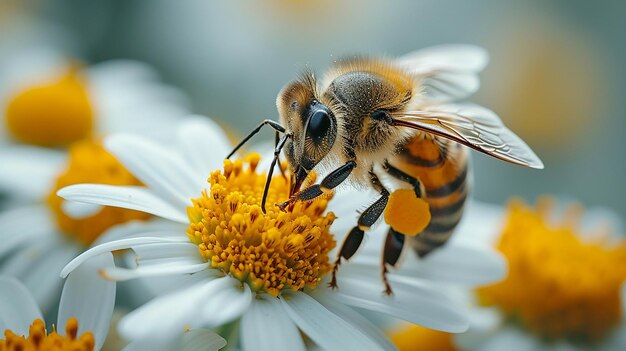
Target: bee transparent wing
x=473, y=126
x=447, y=72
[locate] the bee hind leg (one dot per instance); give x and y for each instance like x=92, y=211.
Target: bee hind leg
x=407, y=178
x=366, y=219
x=391, y=253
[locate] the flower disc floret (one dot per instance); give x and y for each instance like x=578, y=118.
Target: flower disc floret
x=39, y=339
x=270, y=251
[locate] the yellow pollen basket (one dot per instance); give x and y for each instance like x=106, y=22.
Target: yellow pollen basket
x=270, y=252
x=89, y=162
x=39, y=339
x=415, y=337
x=53, y=113
x=558, y=286
x=407, y=213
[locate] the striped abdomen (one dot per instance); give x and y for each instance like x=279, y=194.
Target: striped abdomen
x=441, y=165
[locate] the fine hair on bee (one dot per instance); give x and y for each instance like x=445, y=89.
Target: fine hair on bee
x=370, y=117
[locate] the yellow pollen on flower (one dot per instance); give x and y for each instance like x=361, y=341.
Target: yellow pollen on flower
x=407, y=213
x=416, y=337
x=53, y=113
x=39, y=339
x=558, y=286
x=270, y=251
x=89, y=162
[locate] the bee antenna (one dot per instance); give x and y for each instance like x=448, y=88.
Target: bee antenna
x=277, y=150
x=275, y=125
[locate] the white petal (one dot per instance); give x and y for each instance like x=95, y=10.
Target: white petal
x=113, y=246
x=79, y=210
x=37, y=267
x=505, y=338
x=266, y=327
x=130, y=197
x=162, y=170
x=325, y=328
x=182, y=308
x=481, y=225
x=153, y=120
x=455, y=264
x=229, y=301
x=43, y=278
x=601, y=218
x=356, y=319
x=24, y=224
x=121, y=274
x=204, y=143
x=166, y=284
x=154, y=227
x=202, y=339
x=154, y=344
x=18, y=308
x=413, y=300
x=163, y=253
x=89, y=298
x=484, y=319
x=29, y=172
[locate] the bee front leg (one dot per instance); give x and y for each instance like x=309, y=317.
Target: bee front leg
x=331, y=181
x=366, y=220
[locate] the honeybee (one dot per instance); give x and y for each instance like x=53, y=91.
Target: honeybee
x=371, y=116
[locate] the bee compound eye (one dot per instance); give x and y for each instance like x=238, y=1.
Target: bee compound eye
x=319, y=124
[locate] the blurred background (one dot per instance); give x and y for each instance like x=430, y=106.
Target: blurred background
x=557, y=75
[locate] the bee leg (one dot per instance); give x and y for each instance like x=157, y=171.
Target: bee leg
x=279, y=146
x=275, y=125
x=331, y=181
x=366, y=220
x=407, y=178
x=276, y=143
x=391, y=253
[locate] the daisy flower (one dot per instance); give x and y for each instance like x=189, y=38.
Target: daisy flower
x=261, y=277
x=565, y=288
x=48, y=99
x=40, y=232
x=84, y=318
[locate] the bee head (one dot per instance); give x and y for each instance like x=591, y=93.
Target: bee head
x=312, y=125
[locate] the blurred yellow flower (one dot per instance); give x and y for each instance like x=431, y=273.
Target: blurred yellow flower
x=414, y=338
x=53, y=113
x=559, y=285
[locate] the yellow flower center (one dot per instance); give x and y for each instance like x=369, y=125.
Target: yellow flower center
x=414, y=337
x=39, y=339
x=90, y=163
x=52, y=113
x=269, y=251
x=558, y=286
